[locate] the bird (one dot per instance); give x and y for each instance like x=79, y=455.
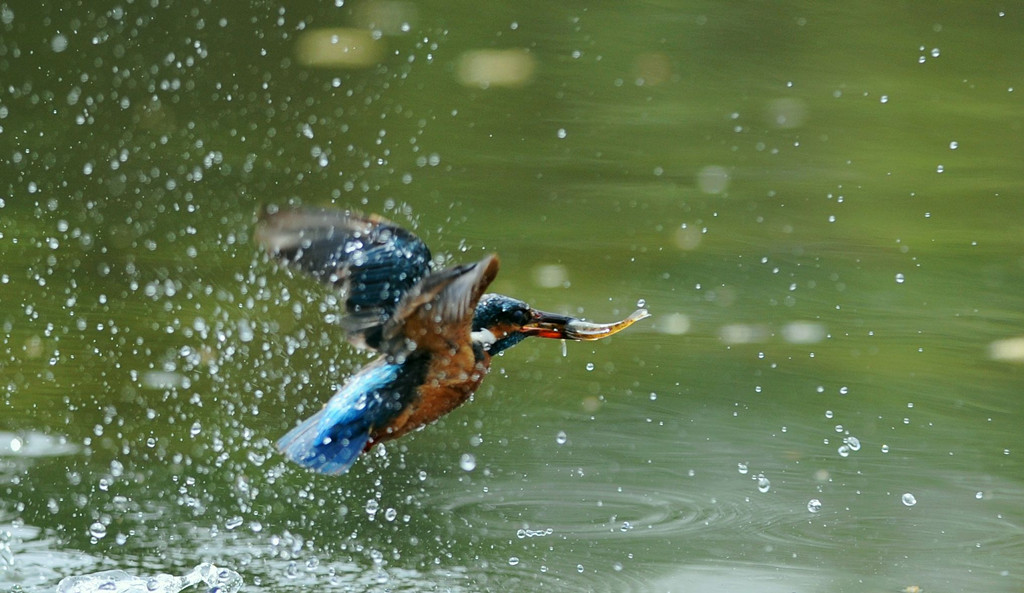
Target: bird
x=435, y=330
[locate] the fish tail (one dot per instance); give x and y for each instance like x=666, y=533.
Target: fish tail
x=322, y=448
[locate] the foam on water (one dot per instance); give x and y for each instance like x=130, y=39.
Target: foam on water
x=222, y=580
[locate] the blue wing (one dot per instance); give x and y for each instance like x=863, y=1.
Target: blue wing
x=331, y=440
x=370, y=259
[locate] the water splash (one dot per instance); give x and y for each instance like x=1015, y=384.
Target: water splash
x=223, y=580
x=6, y=555
x=763, y=483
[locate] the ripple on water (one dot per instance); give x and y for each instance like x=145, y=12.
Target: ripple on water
x=275, y=573
x=601, y=510
x=604, y=510
x=566, y=577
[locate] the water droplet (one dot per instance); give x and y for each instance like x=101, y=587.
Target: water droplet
x=713, y=179
x=641, y=303
x=814, y=505
x=467, y=462
x=885, y=448
x=954, y=145
x=245, y=331
x=590, y=366
x=900, y=278
x=844, y=451
x=908, y=499
x=579, y=568
x=763, y=484
x=233, y=522
x=513, y=561
x=742, y=467
x=561, y=437
x=940, y=169
x=6, y=555
x=979, y=495
x=196, y=429
x=58, y=43
x=562, y=133
x=98, y=530
x=853, y=443
x=390, y=514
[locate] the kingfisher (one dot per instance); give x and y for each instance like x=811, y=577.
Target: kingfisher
x=435, y=330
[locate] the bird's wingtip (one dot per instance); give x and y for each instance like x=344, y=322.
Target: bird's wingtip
x=307, y=446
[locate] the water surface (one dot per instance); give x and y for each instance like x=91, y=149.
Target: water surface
x=820, y=205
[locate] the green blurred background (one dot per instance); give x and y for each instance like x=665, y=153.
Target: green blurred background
x=822, y=204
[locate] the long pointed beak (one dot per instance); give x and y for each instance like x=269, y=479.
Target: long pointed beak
x=552, y=325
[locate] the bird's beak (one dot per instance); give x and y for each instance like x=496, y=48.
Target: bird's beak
x=552, y=325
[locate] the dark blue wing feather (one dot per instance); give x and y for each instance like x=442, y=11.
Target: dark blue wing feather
x=373, y=261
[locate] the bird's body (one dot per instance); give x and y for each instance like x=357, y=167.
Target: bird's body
x=436, y=331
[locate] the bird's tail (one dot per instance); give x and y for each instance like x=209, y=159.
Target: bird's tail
x=311, y=445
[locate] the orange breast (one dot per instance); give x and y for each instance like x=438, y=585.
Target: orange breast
x=451, y=379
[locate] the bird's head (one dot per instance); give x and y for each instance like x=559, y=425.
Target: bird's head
x=501, y=322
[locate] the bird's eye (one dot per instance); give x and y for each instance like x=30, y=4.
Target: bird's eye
x=521, y=316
